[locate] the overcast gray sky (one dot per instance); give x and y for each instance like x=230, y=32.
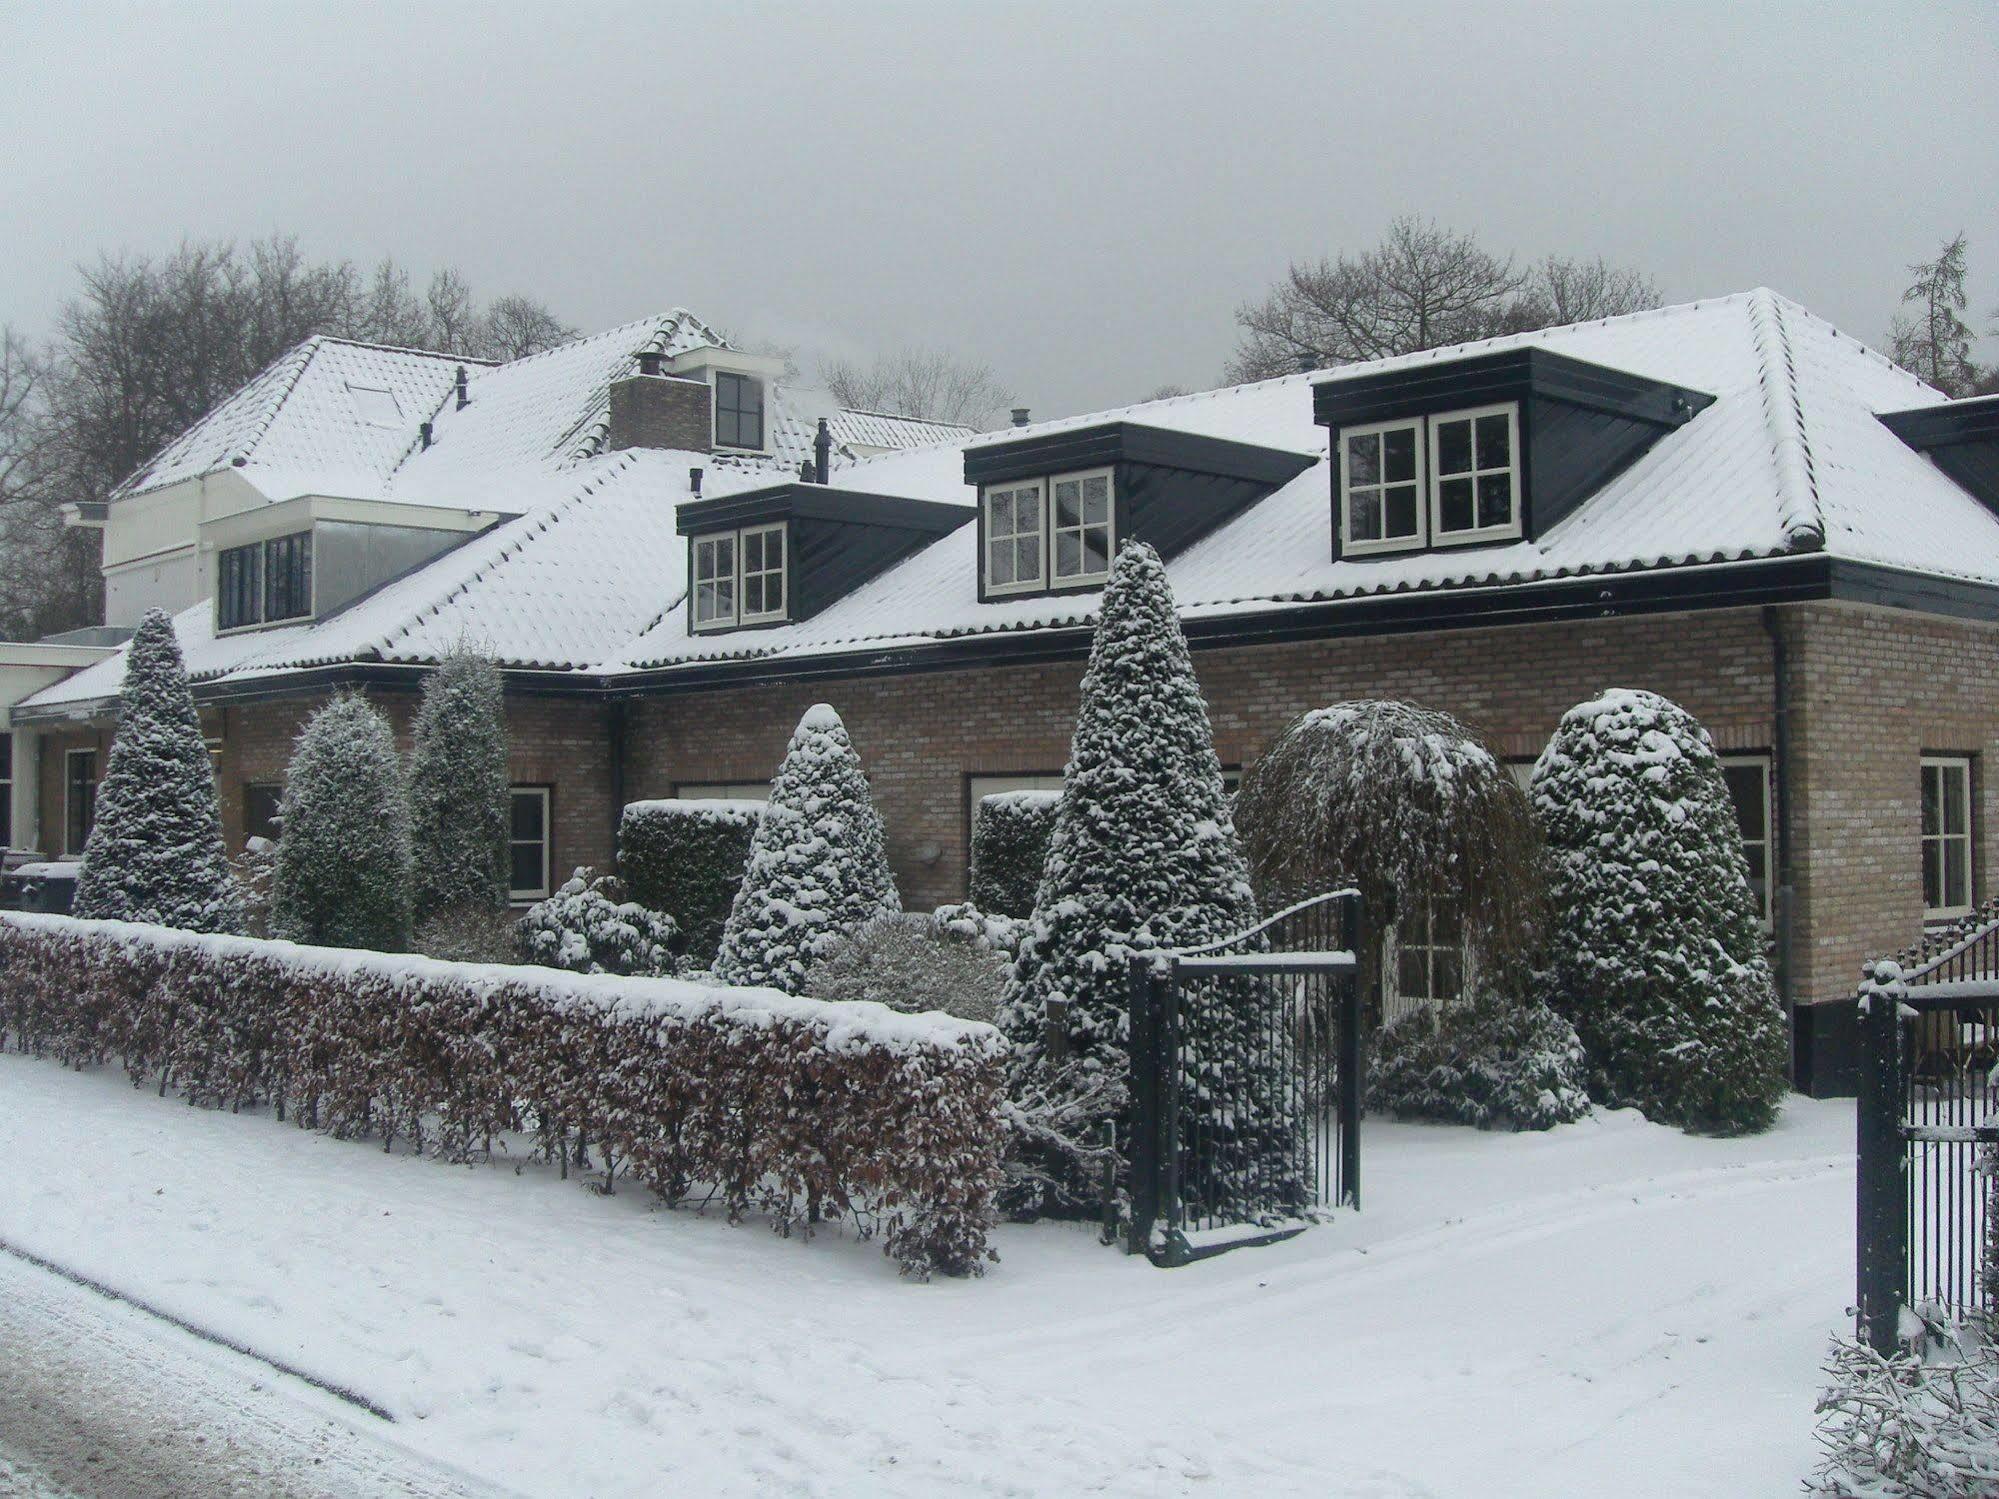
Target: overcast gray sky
x=1078, y=194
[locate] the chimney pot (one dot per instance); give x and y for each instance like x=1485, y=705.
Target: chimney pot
x=694, y=480
x=423, y=432
x=822, y=453
x=1020, y=416
x=463, y=398
x=649, y=361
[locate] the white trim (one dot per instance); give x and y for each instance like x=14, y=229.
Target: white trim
x=1762, y=760
x=779, y=529
x=1941, y=763
x=544, y=796
x=716, y=579
x=1015, y=487
x=738, y=615
x=68, y=786
x=1416, y=542
x=1054, y=530
x=1477, y=535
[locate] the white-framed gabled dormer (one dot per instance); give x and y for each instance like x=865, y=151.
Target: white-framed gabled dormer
x=741, y=387
x=1048, y=534
x=740, y=577
x=1473, y=459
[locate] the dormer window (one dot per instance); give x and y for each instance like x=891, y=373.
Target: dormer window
x=739, y=577
x=1450, y=479
x=739, y=411
x=1049, y=534
x=264, y=583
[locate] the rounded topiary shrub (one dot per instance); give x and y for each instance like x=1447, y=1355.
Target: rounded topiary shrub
x=1492, y=1061
x=1010, y=833
x=686, y=858
x=588, y=926
x=912, y=963
x=1656, y=950
x=342, y=872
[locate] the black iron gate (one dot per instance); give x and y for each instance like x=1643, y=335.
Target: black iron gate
x=1928, y=1113
x=1246, y=1084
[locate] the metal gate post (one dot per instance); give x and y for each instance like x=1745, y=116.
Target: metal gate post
x=1144, y=1110
x=1881, y=1228
x=1167, y=1039
x=1353, y=1079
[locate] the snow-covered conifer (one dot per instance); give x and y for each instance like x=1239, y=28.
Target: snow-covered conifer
x=1144, y=855
x=1010, y=832
x=1656, y=950
x=343, y=865
x=818, y=869
x=155, y=850
x=588, y=926
x=459, y=801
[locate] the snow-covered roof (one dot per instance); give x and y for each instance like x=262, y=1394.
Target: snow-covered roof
x=884, y=429
x=590, y=577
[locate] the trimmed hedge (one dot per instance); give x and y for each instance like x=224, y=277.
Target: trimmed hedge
x=1010, y=833
x=793, y=1107
x=686, y=858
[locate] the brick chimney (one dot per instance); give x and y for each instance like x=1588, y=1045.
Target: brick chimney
x=654, y=410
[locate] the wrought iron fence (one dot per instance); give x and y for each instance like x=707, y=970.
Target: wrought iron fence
x=1246, y=1083
x=1928, y=1114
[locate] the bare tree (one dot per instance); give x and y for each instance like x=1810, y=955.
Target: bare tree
x=517, y=326
x=1936, y=342
x=925, y=383
x=48, y=571
x=1422, y=287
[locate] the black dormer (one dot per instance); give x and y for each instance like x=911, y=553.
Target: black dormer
x=1055, y=507
x=1961, y=438
x=780, y=554
x=1486, y=450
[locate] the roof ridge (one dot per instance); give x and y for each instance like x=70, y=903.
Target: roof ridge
x=1791, y=307
x=299, y=353
x=383, y=348
x=1798, y=509
x=897, y=416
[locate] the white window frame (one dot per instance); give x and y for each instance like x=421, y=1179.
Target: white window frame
x=1038, y=488
x=1396, y=1004
x=781, y=531
x=738, y=615
x=544, y=794
x=715, y=579
x=1426, y=461
x=69, y=791
x=1763, y=762
x=1962, y=764
x=1352, y=548
x=1052, y=529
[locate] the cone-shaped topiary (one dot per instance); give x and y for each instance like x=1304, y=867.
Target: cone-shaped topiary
x=459, y=801
x=155, y=850
x=817, y=871
x=1144, y=855
x=343, y=864
x=1656, y=952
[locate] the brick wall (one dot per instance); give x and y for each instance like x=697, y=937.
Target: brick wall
x=662, y=411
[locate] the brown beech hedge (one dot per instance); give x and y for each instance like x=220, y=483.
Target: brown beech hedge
x=761, y=1102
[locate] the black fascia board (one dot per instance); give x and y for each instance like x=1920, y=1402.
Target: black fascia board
x=798, y=500
x=1509, y=375
x=1974, y=419
x=1110, y=443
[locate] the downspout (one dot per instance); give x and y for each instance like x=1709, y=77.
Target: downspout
x=1780, y=765
x=617, y=719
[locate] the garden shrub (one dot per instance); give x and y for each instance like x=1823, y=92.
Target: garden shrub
x=588, y=926
x=342, y=876
x=460, y=799
x=818, y=869
x=155, y=849
x=1656, y=950
x=470, y=934
x=1010, y=832
x=1920, y=1427
x=1491, y=1060
x=1001, y=933
x=792, y=1107
x=686, y=858
x=912, y=963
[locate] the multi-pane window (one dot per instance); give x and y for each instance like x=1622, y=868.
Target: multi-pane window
x=739, y=411
x=739, y=577
x=1474, y=475
x=79, y=799
x=528, y=844
x=1946, y=835
x=1429, y=958
x=264, y=582
x=1082, y=526
x=1748, y=778
x=1013, y=537
x=1381, y=501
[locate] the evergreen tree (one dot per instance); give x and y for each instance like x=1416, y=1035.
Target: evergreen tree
x=459, y=802
x=1656, y=948
x=155, y=851
x=343, y=865
x=818, y=871
x=1936, y=343
x=1144, y=855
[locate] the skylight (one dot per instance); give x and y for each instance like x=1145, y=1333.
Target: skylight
x=374, y=405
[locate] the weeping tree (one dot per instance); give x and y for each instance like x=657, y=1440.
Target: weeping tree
x=1407, y=806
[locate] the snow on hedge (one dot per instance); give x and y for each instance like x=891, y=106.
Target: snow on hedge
x=790, y=1106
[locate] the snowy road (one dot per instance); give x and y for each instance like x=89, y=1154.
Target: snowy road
x=98, y=1399
x=1607, y=1308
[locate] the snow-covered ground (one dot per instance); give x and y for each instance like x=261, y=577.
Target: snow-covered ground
x=1608, y=1308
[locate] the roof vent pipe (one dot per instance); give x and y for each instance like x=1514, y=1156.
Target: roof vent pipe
x=462, y=397
x=423, y=433
x=1020, y=416
x=694, y=481
x=649, y=361
x=822, y=453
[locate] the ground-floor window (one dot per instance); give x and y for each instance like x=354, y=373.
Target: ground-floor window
x=260, y=810
x=1748, y=778
x=528, y=844
x=1946, y=835
x=79, y=799
x=725, y=791
x=1425, y=959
